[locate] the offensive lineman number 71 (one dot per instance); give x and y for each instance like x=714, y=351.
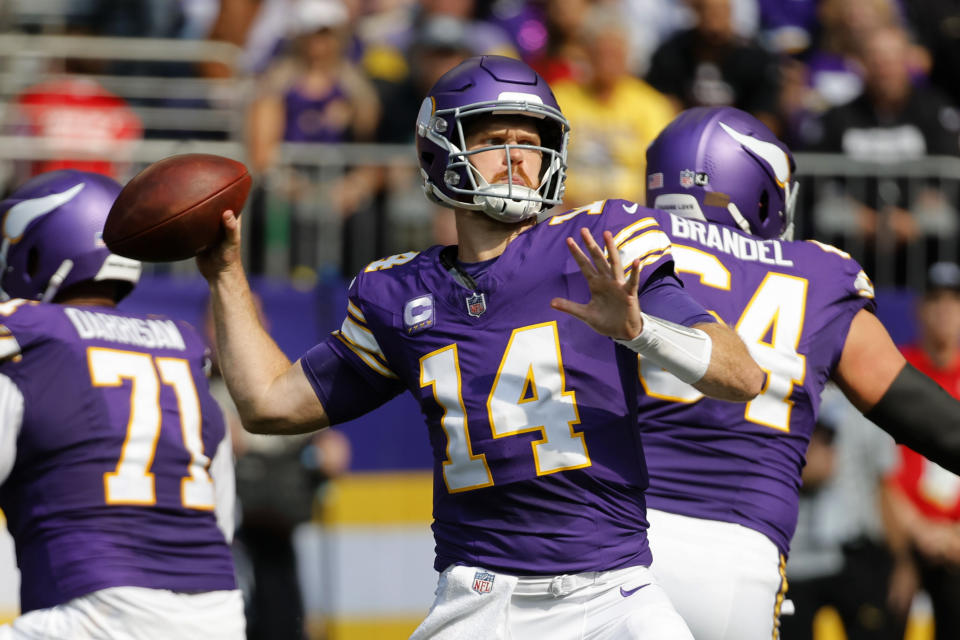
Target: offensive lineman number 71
x=132, y=482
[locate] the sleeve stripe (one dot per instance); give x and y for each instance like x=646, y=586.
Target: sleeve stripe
x=631, y=229
x=644, y=245
x=357, y=320
x=9, y=347
x=649, y=258
x=366, y=357
x=361, y=337
x=354, y=310
x=376, y=357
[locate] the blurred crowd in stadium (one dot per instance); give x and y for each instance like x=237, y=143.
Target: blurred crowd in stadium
x=872, y=83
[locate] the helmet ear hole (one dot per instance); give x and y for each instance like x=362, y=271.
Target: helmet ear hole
x=426, y=157
x=33, y=262
x=764, y=211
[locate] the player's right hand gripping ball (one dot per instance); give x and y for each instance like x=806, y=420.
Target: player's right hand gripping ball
x=172, y=209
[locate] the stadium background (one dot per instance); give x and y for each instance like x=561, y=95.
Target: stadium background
x=366, y=559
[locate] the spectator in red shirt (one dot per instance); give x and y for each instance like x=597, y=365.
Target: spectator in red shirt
x=84, y=126
x=927, y=496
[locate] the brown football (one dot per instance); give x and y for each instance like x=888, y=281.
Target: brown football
x=172, y=209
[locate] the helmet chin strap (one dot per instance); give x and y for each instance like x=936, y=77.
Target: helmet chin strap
x=56, y=280
x=499, y=201
x=738, y=218
x=791, y=191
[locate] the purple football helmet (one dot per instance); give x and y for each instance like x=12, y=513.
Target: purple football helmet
x=53, y=236
x=492, y=85
x=723, y=165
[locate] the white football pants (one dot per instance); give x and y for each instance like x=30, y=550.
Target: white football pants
x=726, y=580
x=135, y=613
x=624, y=604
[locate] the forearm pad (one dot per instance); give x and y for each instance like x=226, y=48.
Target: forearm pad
x=918, y=413
x=683, y=351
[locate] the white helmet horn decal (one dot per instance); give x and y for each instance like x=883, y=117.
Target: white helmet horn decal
x=769, y=152
x=20, y=215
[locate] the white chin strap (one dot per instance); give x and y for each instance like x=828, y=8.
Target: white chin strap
x=791, y=191
x=790, y=203
x=738, y=218
x=56, y=280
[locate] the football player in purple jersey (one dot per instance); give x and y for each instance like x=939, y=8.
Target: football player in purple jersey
x=724, y=478
x=111, y=446
x=538, y=468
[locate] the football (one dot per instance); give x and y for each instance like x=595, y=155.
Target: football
x=172, y=209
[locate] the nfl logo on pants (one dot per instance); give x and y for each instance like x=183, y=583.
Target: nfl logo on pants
x=483, y=582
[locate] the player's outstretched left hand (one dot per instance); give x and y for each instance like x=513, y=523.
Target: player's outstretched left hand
x=613, y=309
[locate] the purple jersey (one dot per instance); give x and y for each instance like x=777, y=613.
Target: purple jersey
x=110, y=486
x=792, y=303
x=538, y=467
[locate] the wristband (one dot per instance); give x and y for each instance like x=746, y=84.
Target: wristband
x=683, y=351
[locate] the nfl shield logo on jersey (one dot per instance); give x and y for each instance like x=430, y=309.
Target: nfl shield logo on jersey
x=686, y=178
x=483, y=582
x=476, y=304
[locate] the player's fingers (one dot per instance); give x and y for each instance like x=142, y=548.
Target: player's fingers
x=570, y=307
x=599, y=260
x=585, y=264
x=231, y=226
x=614, y=256
x=633, y=282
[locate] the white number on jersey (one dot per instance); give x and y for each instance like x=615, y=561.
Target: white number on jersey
x=770, y=325
x=528, y=395
x=132, y=482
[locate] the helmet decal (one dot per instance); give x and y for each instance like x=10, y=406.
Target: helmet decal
x=768, y=152
x=725, y=166
x=20, y=215
x=52, y=236
x=26, y=211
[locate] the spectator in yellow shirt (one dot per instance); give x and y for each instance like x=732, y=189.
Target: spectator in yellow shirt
x=615, y=116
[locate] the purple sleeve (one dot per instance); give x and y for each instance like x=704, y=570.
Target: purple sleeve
x=664, y=297
x=345, y=391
